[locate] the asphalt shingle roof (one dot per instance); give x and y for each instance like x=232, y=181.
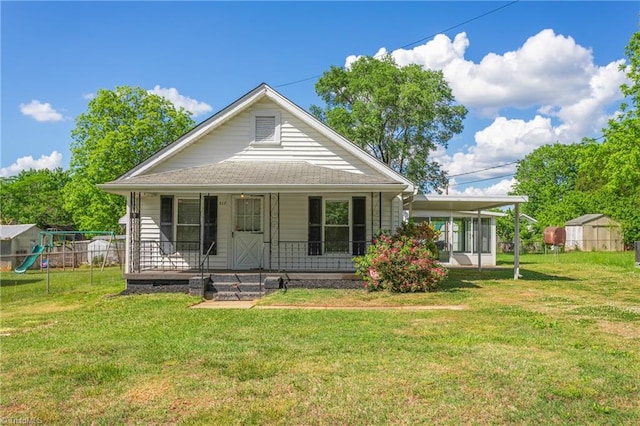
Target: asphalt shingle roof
x=257, y=173
x=583, y=219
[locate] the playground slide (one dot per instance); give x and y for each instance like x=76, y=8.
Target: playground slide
x=29, y=260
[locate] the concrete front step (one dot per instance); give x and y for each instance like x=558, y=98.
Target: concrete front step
x=234, y=286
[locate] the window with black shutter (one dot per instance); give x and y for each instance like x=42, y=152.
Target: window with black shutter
x=315, y=226
x=166, y=224
x=358, y=220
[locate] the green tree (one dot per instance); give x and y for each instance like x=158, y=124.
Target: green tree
x=397, y=114
x=548, y=176
x=506, y=230
x=613, y=168
x=120, y=129
x=35, y=196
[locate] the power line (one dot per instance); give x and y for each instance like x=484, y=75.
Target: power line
x=460, y=24
x=418, y=41
x=481, y=180
x=482, y=170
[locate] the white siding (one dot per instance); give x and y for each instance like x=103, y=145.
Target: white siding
x=150, y=218
x=220, y=260
x=231, y=141
x=391, y=212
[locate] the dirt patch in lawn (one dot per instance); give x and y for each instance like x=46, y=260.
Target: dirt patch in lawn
x=630, y=331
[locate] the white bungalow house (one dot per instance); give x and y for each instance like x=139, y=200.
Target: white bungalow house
x=260, y=185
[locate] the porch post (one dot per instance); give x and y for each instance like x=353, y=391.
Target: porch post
x=133, y=233
x=274, y=225
x=516, y=250
x=450, y=235
x=479, y=244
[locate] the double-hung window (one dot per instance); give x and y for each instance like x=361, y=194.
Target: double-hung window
x=336, y=226
x=188, y=225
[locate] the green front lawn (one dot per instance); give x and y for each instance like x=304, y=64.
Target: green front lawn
x=560, y=346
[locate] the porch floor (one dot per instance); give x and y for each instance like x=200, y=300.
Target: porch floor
x=291, y=275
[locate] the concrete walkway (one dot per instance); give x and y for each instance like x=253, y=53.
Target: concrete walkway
x=225, y=304
x=248, y=304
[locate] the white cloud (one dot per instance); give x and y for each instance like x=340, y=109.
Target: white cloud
x=501, y=188
x=88, y=96
x=40, y=111
x=547, y=69
x=25, y=163
x=189, y=104
x=502, y=142
x=549, y=73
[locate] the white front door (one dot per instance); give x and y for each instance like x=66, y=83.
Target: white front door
x=248, y=232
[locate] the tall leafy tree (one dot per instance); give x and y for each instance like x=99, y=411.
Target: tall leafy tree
x=613, y=168
x=34, y=196
x=397, y=114
x=548, y=176
x=120, y=129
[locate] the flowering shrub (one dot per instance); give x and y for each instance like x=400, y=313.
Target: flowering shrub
x=404, y=262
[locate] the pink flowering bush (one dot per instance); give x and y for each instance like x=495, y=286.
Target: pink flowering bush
x=403, y=262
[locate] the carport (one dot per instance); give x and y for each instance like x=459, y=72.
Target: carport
x=455, y=204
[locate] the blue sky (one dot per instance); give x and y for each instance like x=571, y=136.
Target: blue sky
x=530, y=73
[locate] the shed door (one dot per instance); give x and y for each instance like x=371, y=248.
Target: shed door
x=247, y=235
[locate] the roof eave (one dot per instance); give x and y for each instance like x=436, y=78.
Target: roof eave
x=124, y=189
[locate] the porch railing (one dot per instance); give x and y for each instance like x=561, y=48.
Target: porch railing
x=323, y=256
x=301, y=256
x=169, y=256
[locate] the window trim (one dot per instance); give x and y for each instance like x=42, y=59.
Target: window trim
x=266, y=113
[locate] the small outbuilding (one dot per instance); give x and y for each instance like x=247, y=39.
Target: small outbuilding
x=593, y=232
x=16, y=242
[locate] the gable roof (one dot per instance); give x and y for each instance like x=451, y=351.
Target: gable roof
x=583, y=219
x=8, y=232
x=252, y=97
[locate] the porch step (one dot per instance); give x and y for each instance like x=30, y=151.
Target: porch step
x=237, y=286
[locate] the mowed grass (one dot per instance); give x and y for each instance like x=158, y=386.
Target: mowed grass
x=559, y=346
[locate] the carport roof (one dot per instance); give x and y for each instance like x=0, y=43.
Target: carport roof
x=464, y=202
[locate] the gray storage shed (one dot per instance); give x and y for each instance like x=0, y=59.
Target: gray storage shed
x=593, y=232
x=16, y=242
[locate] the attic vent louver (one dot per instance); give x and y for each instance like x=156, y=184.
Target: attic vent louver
x=265, y=128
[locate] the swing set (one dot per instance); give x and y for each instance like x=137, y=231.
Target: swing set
x=60, y=244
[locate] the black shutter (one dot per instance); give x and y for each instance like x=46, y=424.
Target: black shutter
x=358, y=221
x=166, y=224
x=315, y=226
x=210, y=223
